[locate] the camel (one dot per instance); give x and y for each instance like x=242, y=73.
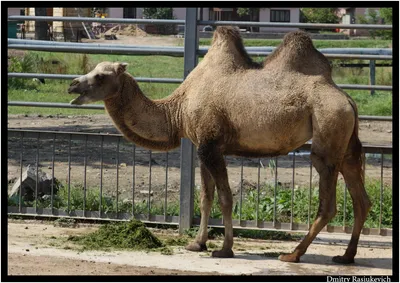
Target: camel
x=230, y=105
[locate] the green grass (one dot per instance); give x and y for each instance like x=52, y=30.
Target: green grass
x=170, y=67
x=131, y=235
x=249, y=205
x=317, y=43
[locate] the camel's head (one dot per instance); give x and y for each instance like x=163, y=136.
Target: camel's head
x=101, y=83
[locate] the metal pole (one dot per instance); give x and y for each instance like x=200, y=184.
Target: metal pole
x=372, y=74
x=187, y=148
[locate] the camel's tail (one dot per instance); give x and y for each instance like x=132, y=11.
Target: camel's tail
x=354, y=149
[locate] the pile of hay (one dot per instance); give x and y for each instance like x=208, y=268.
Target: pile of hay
x=129, y=30
x=131, y=234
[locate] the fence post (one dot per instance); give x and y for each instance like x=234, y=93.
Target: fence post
x=372, y=74
x=187, y=148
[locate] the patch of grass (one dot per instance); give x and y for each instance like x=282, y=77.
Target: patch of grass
x=155, y=66
x=265, y=210
x=176, y=241
x=166, y=251
x=131, y=234
x=317, y=43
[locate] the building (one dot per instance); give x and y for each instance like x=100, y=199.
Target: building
x=71, y=30
x=61, y=30
x=290, y=15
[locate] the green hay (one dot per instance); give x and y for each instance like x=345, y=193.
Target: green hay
x=131, y=234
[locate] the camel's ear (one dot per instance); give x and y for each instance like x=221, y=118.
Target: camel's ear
x=121, y=68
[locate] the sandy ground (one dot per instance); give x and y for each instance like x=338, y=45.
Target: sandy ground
x=39, y=248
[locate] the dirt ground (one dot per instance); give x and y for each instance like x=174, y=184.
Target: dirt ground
x=148, y=40
x=40, y=248
x=373, y=132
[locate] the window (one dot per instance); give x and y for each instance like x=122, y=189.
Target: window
x=130, y=13
x=280, y=15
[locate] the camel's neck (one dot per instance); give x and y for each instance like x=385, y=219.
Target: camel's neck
x=146, y=123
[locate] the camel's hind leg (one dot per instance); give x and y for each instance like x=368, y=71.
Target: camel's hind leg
x=352, y=173
x=206, y=200
x=328, y=169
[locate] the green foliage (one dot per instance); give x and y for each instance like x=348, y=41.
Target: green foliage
x=387, y=15
x=374, y=16
x=247, y=11
x=131, y=234
x=25, y=64
x=319, y=15
x=158, y=13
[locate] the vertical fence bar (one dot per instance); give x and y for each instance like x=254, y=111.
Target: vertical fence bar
x=275, y=188
x=292, y=194
x=166, y=186
x=241, y=190
x=372, y=74
x=363, y=160
x=84, y=176
x=133, y=179
x=37, y=173
x=381, y=196
x=101, y=176
x=149, y=198
x=187, y=148
x=20, y=173
x=258, y=190
x=69, y=174
x=344, y=209
x=117, y=161
x=52, y=172
x=309, y=198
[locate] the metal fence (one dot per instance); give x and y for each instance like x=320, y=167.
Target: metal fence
x=175, y=206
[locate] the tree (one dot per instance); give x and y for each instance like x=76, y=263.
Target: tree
x=386, y=14
x=160, y=13
x=320, y=15
x=374, y=17
x=248, y=11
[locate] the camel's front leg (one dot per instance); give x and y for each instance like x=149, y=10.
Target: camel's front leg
x=206, y=200
x=213, y=160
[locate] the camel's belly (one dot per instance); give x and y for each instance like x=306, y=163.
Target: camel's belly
x=274, y=139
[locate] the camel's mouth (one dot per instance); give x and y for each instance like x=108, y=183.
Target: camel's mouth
x=79, y=100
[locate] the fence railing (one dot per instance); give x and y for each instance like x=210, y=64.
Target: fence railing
x=185, y=218
x=119, y=192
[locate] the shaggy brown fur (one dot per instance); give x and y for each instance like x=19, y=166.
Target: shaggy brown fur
x=229, y=105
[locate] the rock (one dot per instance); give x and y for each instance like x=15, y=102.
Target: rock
x=146, y=192
x=389, y=131
x=28, y=184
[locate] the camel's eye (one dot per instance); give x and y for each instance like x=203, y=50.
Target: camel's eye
x=99, y=77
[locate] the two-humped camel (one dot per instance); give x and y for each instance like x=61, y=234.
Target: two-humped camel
x=230, y=105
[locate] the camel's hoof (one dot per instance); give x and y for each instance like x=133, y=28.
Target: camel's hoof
x=223, y=253
x=196, y=247
x=289, y=258
x=343, y=259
